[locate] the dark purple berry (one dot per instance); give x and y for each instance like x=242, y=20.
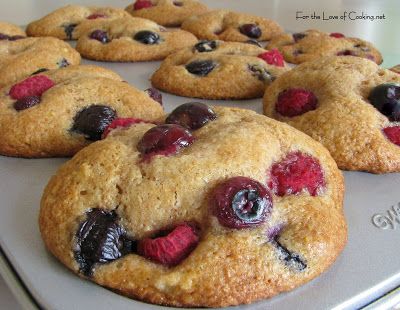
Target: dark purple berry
x=26, y=102
x=193, y=115
x=101, y=239
x=251, y=30
x=241, y=202
x=362, y=47
x=40, y=71
x=147, y=37
x=254, y=42
x=200, y=67
x=386, y=99
x=63, y=63
x=292, y=260
x=100, y=36
x=205, y=46
x=4, y=37
x=154, y=94
x=178, y=3
x=93, y=120
x=261, y=73
x=298, y=36
x=16, y=37
x=346, y=53
x=69, y=29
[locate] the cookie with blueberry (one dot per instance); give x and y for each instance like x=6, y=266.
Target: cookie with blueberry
x=169, y=13
x=132, y=39
x=56, y=113
x=71, y=21
x=313, y=44
x=349, y=104
x=22, y=58
x=219, y=70
x=213, y=207
x=10, y=32
x=231, y=26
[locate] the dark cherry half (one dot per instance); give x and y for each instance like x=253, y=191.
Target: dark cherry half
x=251, y=30
x=201, y=67
x=192, y=115
x=386, y=99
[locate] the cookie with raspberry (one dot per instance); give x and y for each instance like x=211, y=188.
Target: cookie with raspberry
x=56, y=113
x=169, y=13
x=349, y=104
x=231, y=26
x=219, y=70
x=131, y=39
x=71, y=21
x=185, y=212
x=10, y=32
x=313, y=44
x=22, y=58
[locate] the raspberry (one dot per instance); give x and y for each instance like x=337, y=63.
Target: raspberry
x=121, y=123
x=32, y=86
x=337, y=35
x=295, y=101
x=296, y=173
x=273, y=57
x=393, y=134
x=171, y=249
x=96, y=16
x=142, y=4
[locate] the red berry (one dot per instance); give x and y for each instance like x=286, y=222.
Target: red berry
x=142, y=4
x=273, y=57
x=337, y=35
x=171, y=249
x=96, y=16
x=32, y=86
x=296, y=173
x=393, y=134
x=296, y=101
x=121, y=123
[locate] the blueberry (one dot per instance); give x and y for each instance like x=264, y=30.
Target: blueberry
x=205, y=46
x=254, y=42
x=193, y=115
x=69, y=29
x=298, y=36
x=200, y=67
x=147, y=37
x=16, y=37
x=346, y=53
x=251, y=30
x=386, y=99
x=100, y=36
x=40, y=71
x=100, y=239
x=261, y=73
x=154, y=94
x=292, y=260
x=63, y=63
x=93, y=120
x=178, y=3
x=4, y=37
x=26, y=102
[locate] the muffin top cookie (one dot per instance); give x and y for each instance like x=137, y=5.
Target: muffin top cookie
x=395, y=69
x=231, y=26
x=71, y=21
x=168, y=13
x=349, y=104
x=132, y=39
x=19, y=59
x=11, y=32
x=312, y=44
x=182, y=214
x=58, y=112
x=219, y=70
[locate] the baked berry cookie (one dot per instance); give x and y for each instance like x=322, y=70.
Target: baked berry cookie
x=219, y=70
x=132, y=39
x=58, y=112
x=396, y=69
x=349, y=104
x=19, y=59
x=169, y=13
x=183, y=214
x=312, y=44
x=231, y=26
x=71, y=21
x=10, y=32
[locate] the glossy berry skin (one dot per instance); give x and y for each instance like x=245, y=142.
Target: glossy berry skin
x=393, y=134
x=193, y=115
x=205, y=46
x=147, y=37
x=26, y=102
x=251, y=30
x=142, y=4
x=386, y=99
x=200, y=67
x=298, y=36
x=93, y=121
x=155, y=95
x=241, y=202
x=273, y=57
x=337, y=35
x=295, y=101
x=100, y=36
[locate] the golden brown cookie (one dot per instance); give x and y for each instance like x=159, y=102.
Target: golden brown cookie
x=56, y=113
x=132, y=39
x=395, y=69
x=169, y=13
x=11, y=32
x=219, y=70
x=312, y=44
x=19, y=59
x=232, y=208
x=349, y=104
x=231, y=26
x=71, y=21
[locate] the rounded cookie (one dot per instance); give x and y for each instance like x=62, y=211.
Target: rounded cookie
x=132, y=39
x=184, y=216
x=231, y=26
x=349, y=104
x=71, y=21
x=19, y=59
x=396, y=69
x=219, y=70
x=11, y=32
x=169, y=13
x=56, y=113
x=313, y=44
